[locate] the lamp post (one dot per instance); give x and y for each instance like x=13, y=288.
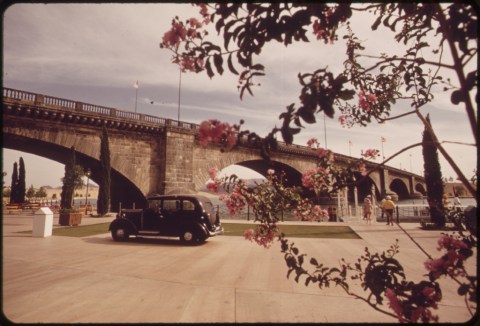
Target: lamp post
x=87, y=173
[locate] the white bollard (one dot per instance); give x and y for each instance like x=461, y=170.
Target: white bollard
x=43, y=223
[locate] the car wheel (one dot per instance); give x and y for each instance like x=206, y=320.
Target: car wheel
x=120, y=234
x=188, y=236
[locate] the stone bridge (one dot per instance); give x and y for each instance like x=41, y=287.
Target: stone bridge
x=150, y=154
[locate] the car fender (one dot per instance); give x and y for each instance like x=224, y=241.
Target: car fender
x=122, y=222
x=197, y=226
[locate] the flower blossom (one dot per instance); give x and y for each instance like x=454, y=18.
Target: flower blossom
x=308, y=212
x=263, y=235
x=449, y=243
x=370, y=153
x=394, y=303
x=216, y=132
x=447, y=264
x=315, y=178
x=175, y=35
x=203, y=12
x=311, y=142
x=270, y=171
x=189, y=63
x=236, y=200
x=213, y=172
x=366, y=101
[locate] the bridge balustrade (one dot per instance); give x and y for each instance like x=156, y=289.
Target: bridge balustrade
x=96, y=109
x=19, y=95
x=55, y=101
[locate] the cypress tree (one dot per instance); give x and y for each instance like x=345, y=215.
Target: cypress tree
x=22, y=187
x=68, y=182
x=14, y=185
x=103, y=202
x=433, y=178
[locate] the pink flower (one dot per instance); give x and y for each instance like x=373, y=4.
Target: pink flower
x=213, y=186
x=370, y=153
x=216, y=132
x=366, y=101
x=311, y=142
x=315, y=178
x=270, y=171
x=194, y=23
x=321, y=152
x=212, y=172
x=176, y=34
x=448, y=242
x=249, y=234
x=394, y=303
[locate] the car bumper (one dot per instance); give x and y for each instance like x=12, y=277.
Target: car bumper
x=218, y=230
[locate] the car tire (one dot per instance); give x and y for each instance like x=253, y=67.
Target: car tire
x=189, y=236
x=120, y=234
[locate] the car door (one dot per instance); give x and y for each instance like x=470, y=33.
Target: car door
x=171, y=207
x=152, y=215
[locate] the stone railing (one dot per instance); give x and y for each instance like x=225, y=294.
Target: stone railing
x=50, y=101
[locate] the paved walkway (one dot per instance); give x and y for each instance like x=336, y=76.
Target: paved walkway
x=96, y=280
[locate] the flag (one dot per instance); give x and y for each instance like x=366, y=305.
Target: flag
x=135, y=85
x=383, y=139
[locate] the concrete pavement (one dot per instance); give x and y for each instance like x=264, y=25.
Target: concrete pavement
x=96, y=280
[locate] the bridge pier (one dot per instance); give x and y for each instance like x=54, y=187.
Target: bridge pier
x=178, y=162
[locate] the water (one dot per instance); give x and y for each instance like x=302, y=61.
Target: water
x=464, y=202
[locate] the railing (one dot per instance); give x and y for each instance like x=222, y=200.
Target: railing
x=39, y=99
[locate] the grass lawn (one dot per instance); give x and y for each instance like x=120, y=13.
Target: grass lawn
x=78, y=231
x=323, y=231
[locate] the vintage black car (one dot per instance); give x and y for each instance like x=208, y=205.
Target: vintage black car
x=190, y=217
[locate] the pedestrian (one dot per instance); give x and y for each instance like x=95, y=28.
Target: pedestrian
x=367, y=209
x=389, y=206
x=381, y=208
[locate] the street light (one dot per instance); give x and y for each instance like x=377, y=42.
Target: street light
x=87, y=173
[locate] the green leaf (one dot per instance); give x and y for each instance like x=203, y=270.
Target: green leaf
x=218, y=61
x=230, y=65
x=209, y=69
x=457, y=97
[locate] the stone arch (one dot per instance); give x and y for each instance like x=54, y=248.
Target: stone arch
x=292, y=176
x=122, y=189
x=364, y=188
x=420, y=189
x=399, y=187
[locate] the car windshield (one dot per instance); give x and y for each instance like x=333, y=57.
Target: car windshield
x=208, y=207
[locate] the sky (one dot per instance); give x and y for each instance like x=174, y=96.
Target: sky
x=94, y=53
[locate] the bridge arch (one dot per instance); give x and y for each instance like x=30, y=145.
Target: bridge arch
x=400, y=188
x=122, y=189
x=364, y=188
x=420, y=189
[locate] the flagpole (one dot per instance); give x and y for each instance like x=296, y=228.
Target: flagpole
x=135, y=85
x=350, y=148
x=179, y=89
x=136, y=97
x=383, y=154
